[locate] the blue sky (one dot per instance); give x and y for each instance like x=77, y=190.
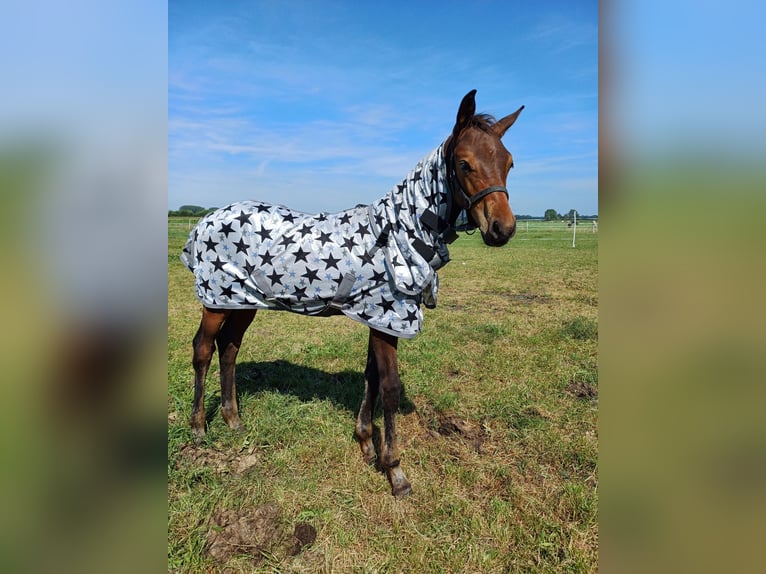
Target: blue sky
x=322, y=105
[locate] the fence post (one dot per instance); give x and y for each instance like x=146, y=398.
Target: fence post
x=574, y=228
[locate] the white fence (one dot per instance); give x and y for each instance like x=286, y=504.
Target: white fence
x=526, y=229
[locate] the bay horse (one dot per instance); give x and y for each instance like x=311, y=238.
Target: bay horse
x=376, y=264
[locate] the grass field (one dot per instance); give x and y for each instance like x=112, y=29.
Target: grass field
x=498, y=428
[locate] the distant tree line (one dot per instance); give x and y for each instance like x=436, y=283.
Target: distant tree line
x=191, y=211
x=553, y=215
x=550, y=214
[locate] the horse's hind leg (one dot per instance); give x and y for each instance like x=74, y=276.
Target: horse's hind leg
x=204, y=347
x=229, y=340
x=384, y=348
x=363, y=428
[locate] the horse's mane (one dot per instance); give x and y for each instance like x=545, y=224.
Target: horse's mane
x=482, y=121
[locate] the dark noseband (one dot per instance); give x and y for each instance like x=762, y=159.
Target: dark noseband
x=472, y=200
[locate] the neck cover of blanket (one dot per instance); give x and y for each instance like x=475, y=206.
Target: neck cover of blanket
x=376, y=264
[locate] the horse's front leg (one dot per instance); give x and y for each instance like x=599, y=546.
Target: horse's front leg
x=363, y=428
x=203, y=349
x=229, y=340
x=384, y=348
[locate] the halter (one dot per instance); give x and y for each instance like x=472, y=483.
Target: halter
x=454, y=184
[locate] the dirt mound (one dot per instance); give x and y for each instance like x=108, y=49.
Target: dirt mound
x=257, y=533
x=472, y=433
x=582, y=390
x=231, y=463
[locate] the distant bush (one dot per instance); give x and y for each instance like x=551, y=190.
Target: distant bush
x=191, y=211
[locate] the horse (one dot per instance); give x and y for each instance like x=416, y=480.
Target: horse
x=376, y=264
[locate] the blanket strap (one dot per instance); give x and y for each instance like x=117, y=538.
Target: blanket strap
x=263, y=284
x=343, y=292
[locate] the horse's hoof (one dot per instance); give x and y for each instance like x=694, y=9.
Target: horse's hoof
x=400, y=486
x=199, y=435
x=369, y=455
x=401, y=491
x=370, y=459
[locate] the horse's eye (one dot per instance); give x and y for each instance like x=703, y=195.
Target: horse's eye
x=465, y=166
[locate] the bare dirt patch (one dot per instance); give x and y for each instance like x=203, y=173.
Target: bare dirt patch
x=221, y=462
x=256, y=533
x=523, y=297
x=472, y=433
x=582, y=390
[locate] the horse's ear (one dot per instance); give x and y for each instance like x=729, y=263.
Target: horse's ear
x=465, y=113
x=501, y=126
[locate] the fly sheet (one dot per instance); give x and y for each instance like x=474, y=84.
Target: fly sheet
x=375, y=264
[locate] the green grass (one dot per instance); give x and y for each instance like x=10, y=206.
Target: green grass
x=510, y=353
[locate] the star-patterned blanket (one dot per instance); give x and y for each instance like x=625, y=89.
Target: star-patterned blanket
x=376, y=264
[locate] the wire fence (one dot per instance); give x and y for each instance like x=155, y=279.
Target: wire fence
x=526, y=229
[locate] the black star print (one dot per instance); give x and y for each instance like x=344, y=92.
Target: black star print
x=417, y=176
x=378, y=277
x=324, y=238
x=305, y=230
x=364, y=316
x=300, y=255
x=412, y=317
x=348, y=243
x=226, y=229
x=210, y=244
x=199, y=256
x=387, y=305
x=275, y=277
x=366, y=258
x=266, y=258
x=287, y=241
x=322, y=217
x=362, y=231
x=218, y=264
x=249, y=267
x=402, y=186
x=241, y=282
x=289, y=217
x=241, y=246
x=435, y=172
x=243, y=218
x=345, y=219
x=311, y=275
x=264, y=233
x=261, y=207
x=300, y=293
x=330, y=261
x=205, y=283
x=227, y=292
x=209, y=223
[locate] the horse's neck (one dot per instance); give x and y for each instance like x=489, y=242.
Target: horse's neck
x=427, y=181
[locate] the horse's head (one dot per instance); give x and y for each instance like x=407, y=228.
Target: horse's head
x=478, y=165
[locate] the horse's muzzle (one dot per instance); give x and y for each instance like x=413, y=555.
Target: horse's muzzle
x=498, y=233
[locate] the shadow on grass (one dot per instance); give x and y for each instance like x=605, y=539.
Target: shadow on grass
x=344, y=389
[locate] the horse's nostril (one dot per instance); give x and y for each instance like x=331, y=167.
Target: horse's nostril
x=496, y=228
